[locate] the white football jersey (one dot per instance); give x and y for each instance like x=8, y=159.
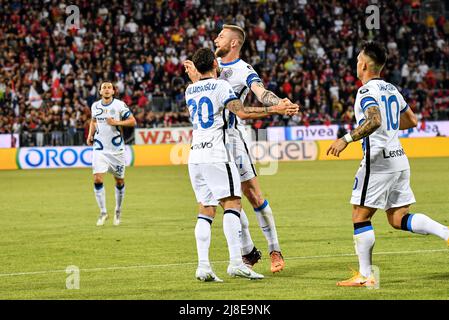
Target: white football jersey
x=109, y=138
x=206, y=100
x=240, y=76
x=383, y=152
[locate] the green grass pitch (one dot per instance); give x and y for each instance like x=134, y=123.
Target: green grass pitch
x=48, y=223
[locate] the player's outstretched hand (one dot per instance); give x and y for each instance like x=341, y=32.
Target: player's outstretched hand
x=191, y=71
x=337, y=147
x=111, y=122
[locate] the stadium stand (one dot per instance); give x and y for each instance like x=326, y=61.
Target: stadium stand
x=49, y=74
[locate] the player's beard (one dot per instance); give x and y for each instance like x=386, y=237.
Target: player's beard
x=223, y=51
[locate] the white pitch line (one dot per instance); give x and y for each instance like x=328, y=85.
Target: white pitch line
x=194, y=263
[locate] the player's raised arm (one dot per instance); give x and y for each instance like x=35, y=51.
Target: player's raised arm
x=90, y=136
x=408, y=119
x=243, y=112
x=266, y=97
x=191, y=71
x=372, y=123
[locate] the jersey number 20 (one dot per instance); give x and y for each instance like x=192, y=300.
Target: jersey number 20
x=198, y=109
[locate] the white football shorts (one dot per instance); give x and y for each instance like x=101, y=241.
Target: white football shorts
x=240, y=151
x=212, y=182
x=382, y=190
x=103, y=162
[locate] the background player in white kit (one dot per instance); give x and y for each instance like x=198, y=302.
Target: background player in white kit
x=212, y=169
x=244, y=78
x=383, y=179
x=105, y=134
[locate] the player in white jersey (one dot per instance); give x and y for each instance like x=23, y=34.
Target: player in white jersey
x=383, y=179
x=212, y=169
x=244, y=78
x=108, y=115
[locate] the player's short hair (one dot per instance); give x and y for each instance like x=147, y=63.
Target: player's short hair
x=203, y=59
x=376, y=52
x=238, y=30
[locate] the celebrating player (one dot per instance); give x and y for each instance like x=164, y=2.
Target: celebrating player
x=213, y=173
x=242, y=77
x=108, y=115
x=383, y=179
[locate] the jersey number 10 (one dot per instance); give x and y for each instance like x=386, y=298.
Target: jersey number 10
x=198, y=109
x=392, y=117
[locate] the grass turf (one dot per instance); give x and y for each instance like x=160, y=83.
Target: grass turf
x=48, y=223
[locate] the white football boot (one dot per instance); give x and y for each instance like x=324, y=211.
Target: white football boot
x=103, y=217
x=206, y=275
x=244, y=272
x=117, y=216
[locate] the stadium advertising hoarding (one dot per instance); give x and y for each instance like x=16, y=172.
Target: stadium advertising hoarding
x=427, y=129
x=322, y=132
x=260, y=152
x=163, y=135
x=60, y=157
x=264, y=151
x=9, y=140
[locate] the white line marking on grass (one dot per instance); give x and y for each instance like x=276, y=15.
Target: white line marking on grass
x=215, y=262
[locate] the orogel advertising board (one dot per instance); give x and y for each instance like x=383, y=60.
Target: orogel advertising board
x=61, y=157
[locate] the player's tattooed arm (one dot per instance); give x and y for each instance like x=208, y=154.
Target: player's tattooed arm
x=371, y=124
x=266, y=97
x=245, y=112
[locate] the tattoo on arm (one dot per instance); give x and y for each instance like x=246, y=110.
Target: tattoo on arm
x=236, y=106
x=372, y=122
x=268, y=98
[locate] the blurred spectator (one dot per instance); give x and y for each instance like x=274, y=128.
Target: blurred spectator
x=304, y=50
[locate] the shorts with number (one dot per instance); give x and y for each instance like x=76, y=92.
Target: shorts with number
x=212, y=182
x=240, y=151
x=382, y=190
x=108, y=162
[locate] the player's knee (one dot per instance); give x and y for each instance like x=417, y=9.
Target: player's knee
x=119, y=182
x=395, y=221
x=98, y=179
x=232, y=202
x=395, y=225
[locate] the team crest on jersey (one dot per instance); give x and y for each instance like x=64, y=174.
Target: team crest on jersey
x=112, y=112
x=227, y=73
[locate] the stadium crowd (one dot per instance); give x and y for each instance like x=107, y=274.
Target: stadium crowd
x=305, y=50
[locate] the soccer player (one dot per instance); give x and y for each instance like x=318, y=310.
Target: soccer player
x=383, y=179
x=243, y=78
x=212, y=169
x=108, y=115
